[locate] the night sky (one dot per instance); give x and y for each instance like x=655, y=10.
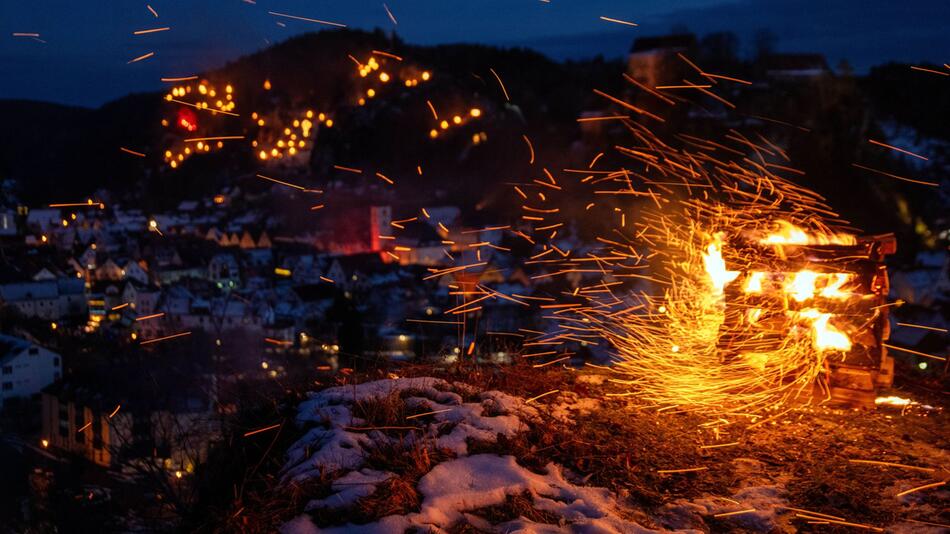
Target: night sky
x=88, y=43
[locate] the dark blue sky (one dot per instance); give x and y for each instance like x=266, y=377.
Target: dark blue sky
x=88, y=42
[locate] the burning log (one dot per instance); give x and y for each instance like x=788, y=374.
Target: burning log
x=838, y=289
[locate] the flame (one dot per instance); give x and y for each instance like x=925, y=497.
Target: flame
x=789, y=234
x=826, y=336
x=754, y=283
x=807, y=284
x=801, y=286
x=834, y=283
x=715, y=266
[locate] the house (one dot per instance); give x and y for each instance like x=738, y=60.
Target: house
x=224, y=270
x=306, y=269
x=231, y=241
x=133, y=421
x=143, y=298
x=44, y=219
x=423, y=242
x=88, y=260
x=248, y=241
x=45, y=298
x=105, y=297
x=653, y=61
x=185, y=259
x=356, y=230
x=357, y=271
x=133, y=270
x=108, y=270
x=25, y=368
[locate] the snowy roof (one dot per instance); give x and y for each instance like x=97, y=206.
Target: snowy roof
x=11, y=346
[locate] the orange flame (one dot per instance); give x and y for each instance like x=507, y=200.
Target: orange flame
x=715, y=265
x=826, y=336
x=789, y=234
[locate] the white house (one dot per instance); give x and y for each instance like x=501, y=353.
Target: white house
x=135, y=271
x=143, y=297
x=44, y=219
x=44, y=298
x=25, y=368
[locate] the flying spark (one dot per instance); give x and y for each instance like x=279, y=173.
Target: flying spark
x=140, y=58
x=318, y=21
x=130, y=151
x=164, y=338
x=152, y=30
x=618, y=21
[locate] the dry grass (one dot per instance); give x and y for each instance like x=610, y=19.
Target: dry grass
x=514, y=507
x=271, y=505
x=408, y=459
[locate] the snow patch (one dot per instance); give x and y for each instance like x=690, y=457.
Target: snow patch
x=337, y=443
x=474, y=482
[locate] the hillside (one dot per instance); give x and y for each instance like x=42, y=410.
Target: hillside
x=314, y=71
x=528, y=113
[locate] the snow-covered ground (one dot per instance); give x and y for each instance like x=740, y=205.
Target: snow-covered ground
x=455, y=490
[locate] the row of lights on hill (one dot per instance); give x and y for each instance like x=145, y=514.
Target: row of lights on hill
x=410, y=77
x=293, y=140
x=206, y=90
x=459, y=120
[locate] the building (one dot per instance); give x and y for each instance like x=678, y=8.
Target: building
x=131, y=423
x=81, y=424
x=356, y=230
x=224, y=270
x=143, y=298
x=44, y=219
x=653, y=61
x=49, y=298
x=420, y=244
x=25, y=368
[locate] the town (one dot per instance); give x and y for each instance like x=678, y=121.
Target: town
x=132, y=336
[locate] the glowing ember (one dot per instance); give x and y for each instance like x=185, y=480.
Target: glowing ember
x=893, y=401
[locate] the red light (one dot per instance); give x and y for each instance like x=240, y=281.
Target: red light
x=187, y=119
